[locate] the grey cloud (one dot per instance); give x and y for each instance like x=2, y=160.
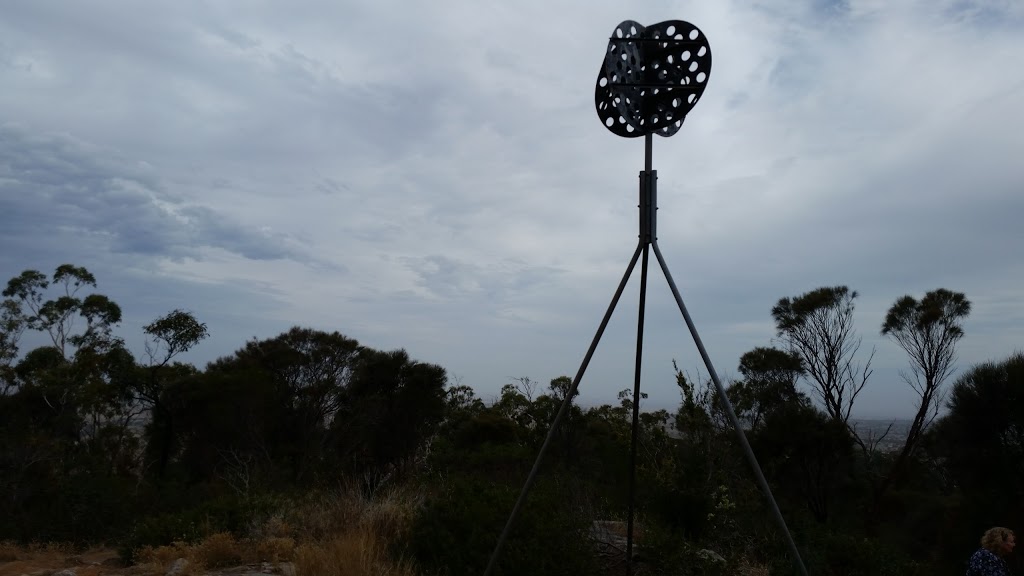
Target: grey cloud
x=495, y=282
x=446, y=163
x=55, y=183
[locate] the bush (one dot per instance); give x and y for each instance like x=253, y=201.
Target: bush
x=829, y=553
x=457, y=530
x=230, y=514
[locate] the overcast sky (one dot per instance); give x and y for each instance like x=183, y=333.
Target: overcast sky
x=433, y=175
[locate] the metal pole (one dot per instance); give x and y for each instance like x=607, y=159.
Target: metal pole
x=636, y=411
x=647, y=185
x=561, y=413
x=731, y=413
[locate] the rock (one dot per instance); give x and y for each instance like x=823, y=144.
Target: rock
x=286, y=569
x=178, y=567
x=711, y=556
x=65, y=572
x=610, y=537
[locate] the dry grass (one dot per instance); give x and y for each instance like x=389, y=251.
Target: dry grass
x=748, y=568
x=9, y=552
x=216, y=551
x=220, y=550
x=324, y=534
x=348, y=533
x=158, y=560
x=355, y=553
x=274, y=549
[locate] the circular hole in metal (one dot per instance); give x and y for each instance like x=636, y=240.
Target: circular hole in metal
x=694, y=34
x=671, y=30
x=703, y=50
x=603, y=82
x=685, y=55
x=693, y=66
x=670, y=59
x=701, y=77
x=609, y=122
x=691, y=98
x=632, y=30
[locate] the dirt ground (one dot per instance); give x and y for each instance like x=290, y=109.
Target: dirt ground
x=107, y=563
x=44, y=563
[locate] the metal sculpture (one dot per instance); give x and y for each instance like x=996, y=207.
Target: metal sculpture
x=650, y=79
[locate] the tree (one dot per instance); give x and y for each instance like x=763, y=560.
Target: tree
x=12, y=326
x=94, y=363
x=516, y=402
x=461, y=400
x=818, y=326
x=559, y=388
x=981, y=440
x=928, y=330
x=390, y=408
x=544, y=410
x=769, y=383
x=695, y=417
x=807, y=454
x=173, y=334
x=57, y=316
x=310, y=372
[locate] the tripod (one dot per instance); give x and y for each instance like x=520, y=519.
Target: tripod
x=647, y=239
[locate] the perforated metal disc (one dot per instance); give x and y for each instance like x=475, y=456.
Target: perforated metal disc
x=651, y=77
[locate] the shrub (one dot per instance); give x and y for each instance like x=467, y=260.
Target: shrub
x=229, y=514
x=456, y=531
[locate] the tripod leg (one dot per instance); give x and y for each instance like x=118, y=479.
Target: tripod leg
x=561, y=412
x=636, y=409
x=731, y=413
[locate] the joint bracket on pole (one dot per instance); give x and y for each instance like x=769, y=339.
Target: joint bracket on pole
x=648, y=206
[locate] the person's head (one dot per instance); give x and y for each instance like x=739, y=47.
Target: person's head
x=999, y=541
